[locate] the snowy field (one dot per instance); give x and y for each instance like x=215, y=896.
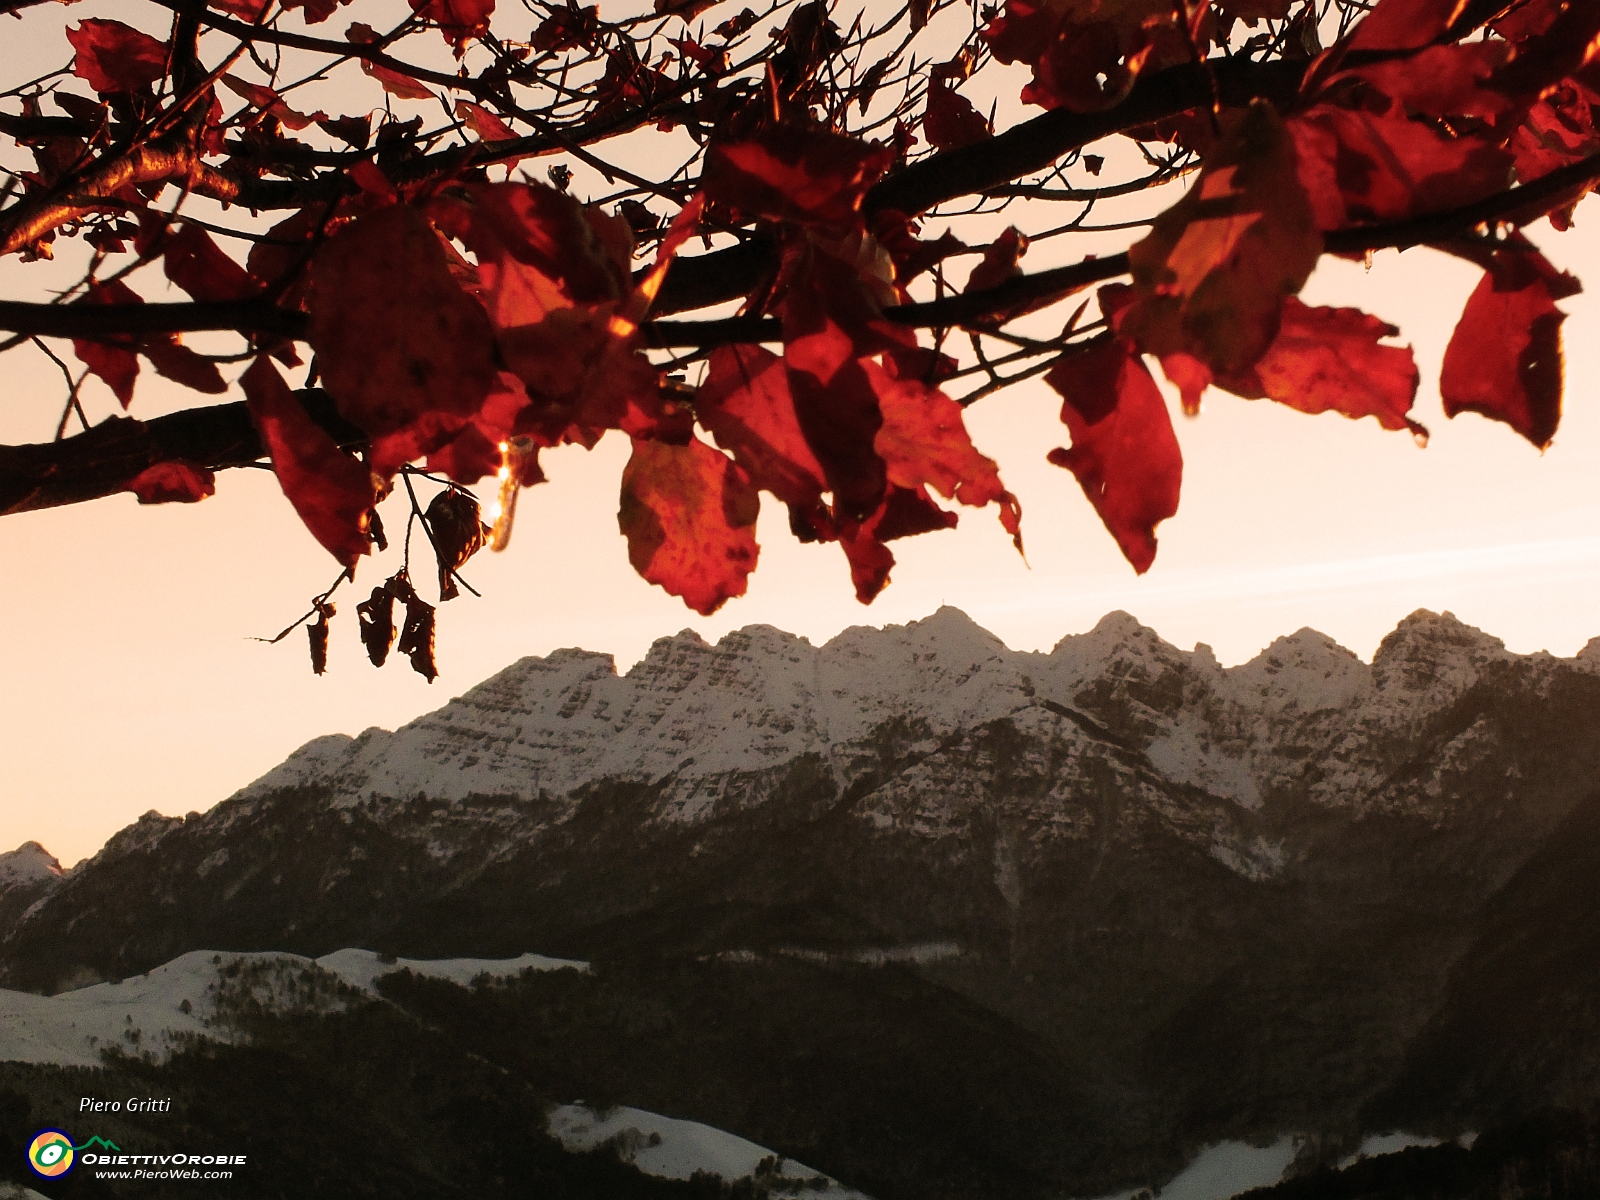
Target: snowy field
x=153, y=1013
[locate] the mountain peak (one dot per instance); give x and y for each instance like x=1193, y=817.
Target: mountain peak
x=28, y=863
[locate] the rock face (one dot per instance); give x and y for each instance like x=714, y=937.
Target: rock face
x=1227, y=902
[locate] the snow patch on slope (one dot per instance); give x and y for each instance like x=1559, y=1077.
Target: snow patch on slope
x=28, y=863
x=192, y=996
x=673, y=1149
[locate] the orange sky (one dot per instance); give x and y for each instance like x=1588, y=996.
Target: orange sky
x=131, y=682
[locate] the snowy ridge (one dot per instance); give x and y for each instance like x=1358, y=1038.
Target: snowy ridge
x=201, y=995
x=706, y=728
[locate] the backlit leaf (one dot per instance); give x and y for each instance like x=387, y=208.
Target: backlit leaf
x=1504, y=359
x=173, y=482
x=1216, y=267
x=689, y=514
x=331, y=491
x=1123, y=452
x=115, y=57
x=405, y=353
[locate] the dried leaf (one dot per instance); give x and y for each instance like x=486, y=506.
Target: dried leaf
x=318, y=633
x=376, y=616
x=416, y=638
x=458, y=534
x=689, y=514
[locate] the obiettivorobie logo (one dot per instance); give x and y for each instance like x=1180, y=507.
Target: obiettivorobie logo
x=52, y=1154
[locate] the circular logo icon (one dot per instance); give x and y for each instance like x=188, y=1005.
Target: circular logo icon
x=50, y=1153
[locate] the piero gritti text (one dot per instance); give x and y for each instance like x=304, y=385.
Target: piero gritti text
x=133, y=1104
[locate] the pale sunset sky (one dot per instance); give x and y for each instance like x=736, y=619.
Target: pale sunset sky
x=132, y=682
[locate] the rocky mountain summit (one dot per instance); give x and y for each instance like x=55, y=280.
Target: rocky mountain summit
x=1168, y=902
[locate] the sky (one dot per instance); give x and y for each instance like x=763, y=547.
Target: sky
x=132, y=680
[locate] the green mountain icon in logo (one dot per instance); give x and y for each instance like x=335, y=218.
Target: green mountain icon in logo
x=101, y=1142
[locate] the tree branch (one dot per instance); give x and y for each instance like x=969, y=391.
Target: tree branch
x=101, y=461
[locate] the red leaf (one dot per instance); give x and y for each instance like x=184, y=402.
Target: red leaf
x=113, y=360
x=924, y=440
x=397, y=83
x=317, y=11
x=331, y=491
x=689, y=514
x=951, y=121
x=1504, y=359
x=268, y=101
x=786, y=173
x=182, y=365
x=458, y=20
x=1403, y=24
x=904, y=512
x=248, y=9
x=405, y=353
x=1332, y=360
x=1085, y=57
x=176, y=481
x=1454, y=80
x=475, y=451
x=999, y=261
x=1360, y=166
x=197, y=264
x=1124, y=452
x=484, y=123
x=745, y=404
x=1214, y=271
x=115, y=57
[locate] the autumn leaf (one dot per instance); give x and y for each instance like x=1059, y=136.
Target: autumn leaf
x=114, y=57
x=452, y=518
x=1332, y=360
x=1504, y=359
x=1084, y=57
x=1215, y=269
x=331, y=491
x=1123, y=452
x=689, y=514
x=317, y=632
x=115, y=359
x=459, y=20
x=405, y=353
x=193, y=261
x=398, y=84
x=785, y=173
x=317, y=11
x=999, y=262
x=924, y=441
x=417, y=633
x=268, y=101
x=687, y=9
x=950, y=120
x=173, y=482
x=746, y=406
x=1360, y=166
x=376, y=618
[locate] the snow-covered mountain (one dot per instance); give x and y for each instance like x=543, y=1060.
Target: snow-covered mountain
x=1178, y=903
